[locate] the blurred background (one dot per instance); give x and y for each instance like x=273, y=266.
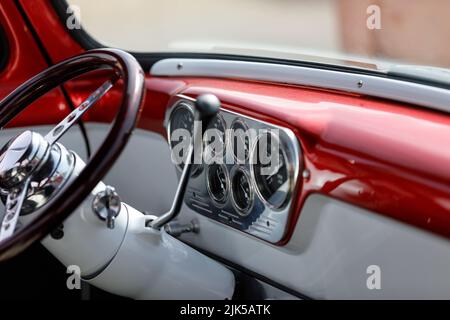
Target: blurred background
x=411, y=31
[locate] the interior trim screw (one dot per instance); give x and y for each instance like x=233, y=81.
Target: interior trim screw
x=306, y=174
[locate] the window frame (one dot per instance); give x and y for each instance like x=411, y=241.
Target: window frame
x=148, y=59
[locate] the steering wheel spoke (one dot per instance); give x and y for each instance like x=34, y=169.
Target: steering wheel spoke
x=14, y=202
x=57, y=132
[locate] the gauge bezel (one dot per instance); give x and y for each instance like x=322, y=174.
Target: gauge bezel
x=246, y=211
x=230, y=214
x=225, y=136
x=289, y=167
x=231, y=142
x=227, y=189
x=176, y=107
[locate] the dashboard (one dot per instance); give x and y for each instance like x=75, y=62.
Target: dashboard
x=247, y=174
x=377, y=184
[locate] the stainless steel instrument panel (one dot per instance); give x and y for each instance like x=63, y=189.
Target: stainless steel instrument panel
x=240, y=190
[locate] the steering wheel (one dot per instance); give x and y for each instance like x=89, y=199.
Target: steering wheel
x=27, y=159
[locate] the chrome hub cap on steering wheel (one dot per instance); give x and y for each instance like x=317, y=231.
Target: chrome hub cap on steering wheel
x=31, y=171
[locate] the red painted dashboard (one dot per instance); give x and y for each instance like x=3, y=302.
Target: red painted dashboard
x=388, y=157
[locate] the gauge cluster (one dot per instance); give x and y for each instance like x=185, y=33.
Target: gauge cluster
x=248, y=172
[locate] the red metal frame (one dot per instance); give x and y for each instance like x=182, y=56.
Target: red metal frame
x=387, y=157
x=25, y=61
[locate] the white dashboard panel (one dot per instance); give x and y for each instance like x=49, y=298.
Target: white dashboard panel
x=333, y=247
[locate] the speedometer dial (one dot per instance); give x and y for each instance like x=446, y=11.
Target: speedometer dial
x=270, y=170
x=241, y=191
x=240, y=140
x=214, y=139
x=181, y=127
x=217, y=183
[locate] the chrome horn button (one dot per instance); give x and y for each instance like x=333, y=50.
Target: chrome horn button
x=30, y=159
x=20, y=157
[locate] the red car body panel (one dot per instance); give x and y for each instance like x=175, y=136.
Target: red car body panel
x=388, y=157
x=25, y=61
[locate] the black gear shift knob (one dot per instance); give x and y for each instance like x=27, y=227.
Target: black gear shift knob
x=207, y=106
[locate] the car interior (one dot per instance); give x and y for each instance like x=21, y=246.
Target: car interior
x=129, y=172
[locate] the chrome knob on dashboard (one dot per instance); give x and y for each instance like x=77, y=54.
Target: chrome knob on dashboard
x=106, y=205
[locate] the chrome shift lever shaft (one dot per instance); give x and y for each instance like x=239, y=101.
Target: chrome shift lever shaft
x=206, y=107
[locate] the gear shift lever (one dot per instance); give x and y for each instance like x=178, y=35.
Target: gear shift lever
x=206, y=107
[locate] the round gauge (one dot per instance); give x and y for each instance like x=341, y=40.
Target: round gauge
x=181, y=127
x=217, y=183
x=241, y=191
x=240, y=140
x=214, y=139
x=270, y=171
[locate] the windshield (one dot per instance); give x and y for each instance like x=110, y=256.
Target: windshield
x=374, y=33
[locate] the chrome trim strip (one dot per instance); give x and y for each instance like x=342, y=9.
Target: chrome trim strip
x=398, y=90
